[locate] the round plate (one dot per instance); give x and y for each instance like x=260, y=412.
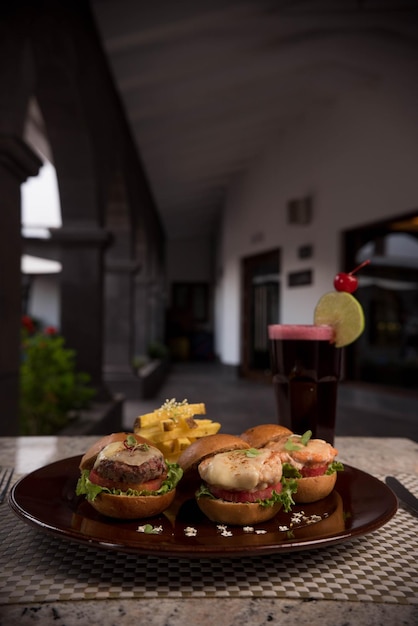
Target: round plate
x=46, y=499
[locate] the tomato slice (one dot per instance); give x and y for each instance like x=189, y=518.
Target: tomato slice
x=309, y=472
x=150, y=485
x=245, y=496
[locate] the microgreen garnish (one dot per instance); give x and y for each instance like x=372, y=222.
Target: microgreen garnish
x=295, y=445
x=291, y=445
x=132, y=444
x=305, y=437
x=252, y=452
x=148, y=529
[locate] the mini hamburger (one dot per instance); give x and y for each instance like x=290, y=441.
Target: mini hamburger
x=311, y=462
x=239, y=485
x=125, y=477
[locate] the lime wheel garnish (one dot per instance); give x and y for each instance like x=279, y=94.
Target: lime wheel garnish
x=344, y=313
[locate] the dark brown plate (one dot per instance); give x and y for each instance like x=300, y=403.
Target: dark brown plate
x=46, y=499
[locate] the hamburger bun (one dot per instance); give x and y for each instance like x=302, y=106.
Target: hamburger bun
x=237, y=513
x=132, y=507
x=145, y=474
x=259, y=436
x=312, y=458
x=314, y=488
x=217, y=509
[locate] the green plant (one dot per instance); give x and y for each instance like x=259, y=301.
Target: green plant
x=139, y=361
x=157, y=350
x=50, y=385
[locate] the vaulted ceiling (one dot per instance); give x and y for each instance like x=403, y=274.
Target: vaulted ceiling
x=207, y=86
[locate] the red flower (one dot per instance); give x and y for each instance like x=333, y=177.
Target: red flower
x=50, y=330
x=27, y=323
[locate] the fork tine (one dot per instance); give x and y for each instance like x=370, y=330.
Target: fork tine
x=6, y=477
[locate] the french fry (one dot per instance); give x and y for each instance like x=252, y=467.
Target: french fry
x=206, y=429
x=168, y=424
x=183, y=443
x=168, y=447
x=170, y=410
x=174, y=426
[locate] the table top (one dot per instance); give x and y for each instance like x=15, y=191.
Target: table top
x=373, y=577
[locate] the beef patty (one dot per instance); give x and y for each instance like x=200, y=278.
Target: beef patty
x=116, y=469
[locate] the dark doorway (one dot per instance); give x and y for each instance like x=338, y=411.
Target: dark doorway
x=260, y=307
x=387, y=352
x=188, y=322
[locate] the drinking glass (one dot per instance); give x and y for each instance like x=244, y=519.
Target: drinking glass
x=306, y=369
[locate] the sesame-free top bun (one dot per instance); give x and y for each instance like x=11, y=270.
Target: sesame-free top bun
x=207, y=446
x=314, y=488
x=259, y=436
x=89, y=457
x=201, y=449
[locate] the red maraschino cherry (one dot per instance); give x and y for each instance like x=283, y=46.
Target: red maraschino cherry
x=348, y=282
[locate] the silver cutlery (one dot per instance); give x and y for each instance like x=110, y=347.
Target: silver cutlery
x=403, y=493
x=6, y=474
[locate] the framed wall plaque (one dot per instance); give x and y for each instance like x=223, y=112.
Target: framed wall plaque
x=299, y=279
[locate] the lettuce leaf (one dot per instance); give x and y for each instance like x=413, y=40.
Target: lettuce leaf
x=290, y=471
x=86, y=488
x=335, y=466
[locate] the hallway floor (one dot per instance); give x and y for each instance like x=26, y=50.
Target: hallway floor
x=239, y=403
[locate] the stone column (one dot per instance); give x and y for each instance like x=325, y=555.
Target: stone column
x=81, y=295
x=120, y=322
x=17, y=163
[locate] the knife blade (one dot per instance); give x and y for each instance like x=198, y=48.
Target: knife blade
x=403, y=493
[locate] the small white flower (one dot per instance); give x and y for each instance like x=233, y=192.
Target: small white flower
x=150, y=530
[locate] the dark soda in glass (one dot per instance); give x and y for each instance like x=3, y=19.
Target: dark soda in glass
x=306, y=369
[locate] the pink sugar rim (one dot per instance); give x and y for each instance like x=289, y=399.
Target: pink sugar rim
x=310, y=332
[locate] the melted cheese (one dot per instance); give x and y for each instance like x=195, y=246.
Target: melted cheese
x=116, y=451
x=241, y=470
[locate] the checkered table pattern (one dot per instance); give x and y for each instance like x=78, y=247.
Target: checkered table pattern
x=380, y=567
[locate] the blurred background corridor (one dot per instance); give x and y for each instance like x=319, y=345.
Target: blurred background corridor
x=176, y=176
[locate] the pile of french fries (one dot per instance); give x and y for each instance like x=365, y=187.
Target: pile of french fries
x=174, y=426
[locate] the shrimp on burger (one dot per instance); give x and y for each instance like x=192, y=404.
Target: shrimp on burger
x=311, y=462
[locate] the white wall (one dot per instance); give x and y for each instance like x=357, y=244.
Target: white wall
x=358, y=157
x=44, y=302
